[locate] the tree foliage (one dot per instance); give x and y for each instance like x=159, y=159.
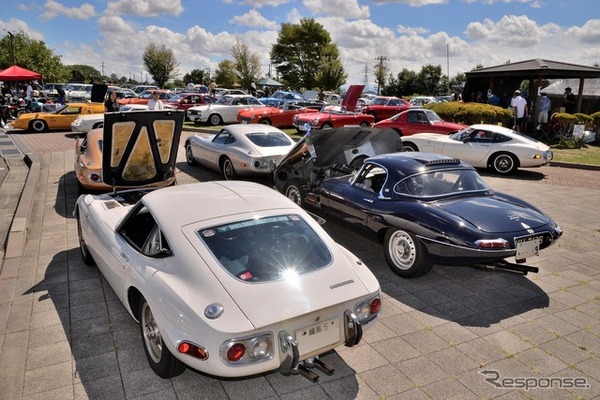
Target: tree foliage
x=83, y=73
x=428, y=81
x=160, y=63
x=33, y=55
x=302, y=51
x=380, y=71
x=225, y=75
x=247, y=63
x=196, y=76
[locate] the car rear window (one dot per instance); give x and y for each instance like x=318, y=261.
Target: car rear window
x=267, y=249
x=269, y=139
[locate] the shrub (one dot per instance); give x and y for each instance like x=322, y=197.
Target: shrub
x=471, y=113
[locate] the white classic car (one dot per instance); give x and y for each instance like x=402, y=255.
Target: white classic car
x=237, y=287
x=484, y=146
x=224, y=110
x=239, y=150
x=85, y=123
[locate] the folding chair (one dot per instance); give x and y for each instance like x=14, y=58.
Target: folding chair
x=551, y=130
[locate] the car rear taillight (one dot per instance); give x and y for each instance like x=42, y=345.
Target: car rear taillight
x=236, y=352
x=375, y=306
x=492, y=244
x=95, y=178
x=192, y=350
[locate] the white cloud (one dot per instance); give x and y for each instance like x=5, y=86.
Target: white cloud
x=145, y=8
x=411, y=30
x=263, y=3
x=518, y=31
x=15, y=26
x=53, y=8
x=412, y=3
x=338, y=8
x=589, y=33
x=253, y=18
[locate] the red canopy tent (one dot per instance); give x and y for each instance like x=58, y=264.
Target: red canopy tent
x=16, y=73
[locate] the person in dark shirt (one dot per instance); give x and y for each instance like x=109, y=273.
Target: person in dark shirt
x=569, y=101
x=111, y=105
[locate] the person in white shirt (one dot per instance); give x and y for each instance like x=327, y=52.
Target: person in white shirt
x=519, y=104
x=28, y=92
x=154, y=103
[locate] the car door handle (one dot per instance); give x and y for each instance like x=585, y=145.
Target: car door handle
x=124, y=257
x=368, y=200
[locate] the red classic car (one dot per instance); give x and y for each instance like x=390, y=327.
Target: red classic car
x=382, y=107
x=419, y=120
x=336, y=116
x=276, y=116
x=147, y=95
x=183, y=101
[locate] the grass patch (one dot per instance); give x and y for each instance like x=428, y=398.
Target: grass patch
x=588, y=154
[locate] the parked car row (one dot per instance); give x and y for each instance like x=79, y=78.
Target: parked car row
x=215, y=285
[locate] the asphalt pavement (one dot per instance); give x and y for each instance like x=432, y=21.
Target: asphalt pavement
x=456, y=333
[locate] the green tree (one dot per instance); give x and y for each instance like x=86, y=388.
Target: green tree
x=300, y=52
x=381, y=71
x=331, y=75
x=430, y=80
x=458, y=81
x=33, y=55
x=196, y=76
x=160, y=63
x=225, y=75
x=247, y=63
x=405, y=84
x=83, y=73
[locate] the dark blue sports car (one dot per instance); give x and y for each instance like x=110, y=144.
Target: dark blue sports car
x=430, y=208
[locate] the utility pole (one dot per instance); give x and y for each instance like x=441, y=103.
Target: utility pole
x=102, y=67
x=381, y=60
x=12, y=47
x=448, y=65
x=366, y=75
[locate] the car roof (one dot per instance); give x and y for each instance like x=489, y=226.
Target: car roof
x=235, y=198
x=242, y=129
x=408, y=163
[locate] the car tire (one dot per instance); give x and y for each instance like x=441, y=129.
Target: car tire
x=38, y=125
x=161, y=360
x=86, y=256
x=327, y=125
x=265, y=121
x=364, y=124
x=405, y=255
x=189, y=154
x=503, y=163
x=228, y=169
x=98, y=125
x=293, y=191
x=215, y=119
x=407, y=146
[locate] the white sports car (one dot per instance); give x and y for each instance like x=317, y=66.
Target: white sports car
x=235, y=287
x=239, y=286
x=239, y=150
x=484, y=146
x=224, y=110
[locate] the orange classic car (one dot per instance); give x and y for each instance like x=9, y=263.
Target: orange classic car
x=58, y=119
x=280, y=117
x=147, y=95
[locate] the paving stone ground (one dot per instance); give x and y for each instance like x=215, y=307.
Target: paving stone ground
x=64, y=335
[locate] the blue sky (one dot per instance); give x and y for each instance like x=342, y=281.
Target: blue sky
x=111, y=36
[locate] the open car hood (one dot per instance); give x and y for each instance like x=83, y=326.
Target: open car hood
x=140, y=147
x=351, y=97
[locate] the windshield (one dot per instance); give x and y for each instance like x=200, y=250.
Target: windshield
x=378, y=101
x=269, y=139
x=432, y=116
x=225, y=100
x=267, y=249
x=441, y=183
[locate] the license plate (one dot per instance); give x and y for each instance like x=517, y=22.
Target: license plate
x=528, y=246
x=318, y=336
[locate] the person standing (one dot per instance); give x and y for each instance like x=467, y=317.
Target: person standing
x=519, y=105
x=61, y=94
x=544, y=110
x=111, y=104
x=212, y=87
x=154, y=103
x=569, y=101
x=190, y=87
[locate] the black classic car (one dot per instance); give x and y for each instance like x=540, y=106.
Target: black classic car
x=430, y=209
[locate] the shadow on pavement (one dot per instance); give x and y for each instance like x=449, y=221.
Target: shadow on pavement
x=74, y=307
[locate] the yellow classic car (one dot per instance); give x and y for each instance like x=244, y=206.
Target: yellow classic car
x=59, y=119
